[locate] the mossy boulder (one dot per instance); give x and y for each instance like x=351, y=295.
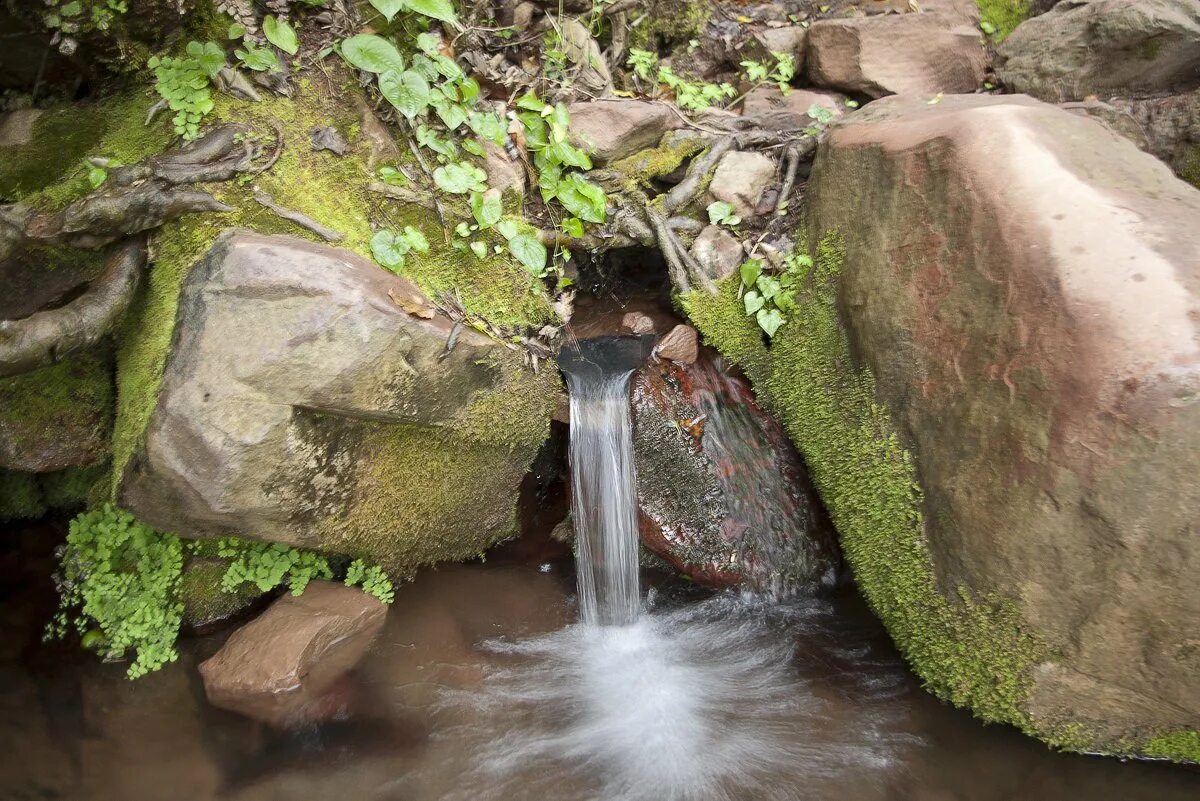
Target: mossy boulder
x=309, y=398
x=1104, y=47
x=993, y=378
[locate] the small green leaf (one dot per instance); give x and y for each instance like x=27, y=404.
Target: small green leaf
x=752, y=301
x=452, y=114
x=769, y=320
x=236, y=31
x=388, y=8
x=458, y=179
x=438, y=9
x=389, y=248
x=573, y=226
x=486, y=207
x=750, y=270
x=479, y=249
x=429, y=43
x=281, y=34
x=767, y=286
x=372, y=53
x=416, y=239
x=530, y=252
x=97, y=176
x=719, y=211
x=407, y=91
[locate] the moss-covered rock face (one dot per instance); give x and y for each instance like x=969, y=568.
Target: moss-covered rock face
x=993, y=384
x=205, y=602
x=300, y=403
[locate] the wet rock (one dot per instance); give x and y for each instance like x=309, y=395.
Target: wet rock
x=1023, y=285
x=779, y=112
x=637, y=323
x=717, y=251
x=681, y=344
x=740, y=179
x=279, y=667
x=1103, y=47
x=16, y=127
x=502, y=172
x=59, y=416
x=303, y=403
x=613, y=129
x=722, y=494
x=896, y=54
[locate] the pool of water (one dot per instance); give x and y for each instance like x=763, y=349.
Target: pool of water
x=482, y=687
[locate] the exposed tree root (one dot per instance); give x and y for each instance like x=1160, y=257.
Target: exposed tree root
x=47, y=337
x=302, y=220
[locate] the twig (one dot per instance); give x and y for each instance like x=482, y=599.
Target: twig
x=697, y=173
x=278, y=126
x=302, y=220
x=403, y=194
x=667, y=244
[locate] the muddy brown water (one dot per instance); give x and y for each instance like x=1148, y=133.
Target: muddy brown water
x=481, y=687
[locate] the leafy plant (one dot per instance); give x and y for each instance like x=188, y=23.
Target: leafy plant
x=268, y=565
x=780, y=73
x=821, y=118
x=119, y=583
x=390, y=247
x=119, y=589
x=281, y=34
x=82, y=16
x=721, y=213
x=460, y=178
x=372, y=53
x=768, y=297
x=372, y=580
x=185, y=83
x=436, y=9
x=256, y=57
x=689, y=94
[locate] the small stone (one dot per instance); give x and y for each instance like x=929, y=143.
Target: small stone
x=741, y=178
x=328, y=138
x=681, y=344
x=502, y=172
x=16, y=127
x=718, y=252
x=279, y=667
x=637, y=323
x=523, y=15
x=591, y=68
x=776, y=111
x=616, y=128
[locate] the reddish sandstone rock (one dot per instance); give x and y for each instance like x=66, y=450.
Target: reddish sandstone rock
x=284, y=667
x=681, y=345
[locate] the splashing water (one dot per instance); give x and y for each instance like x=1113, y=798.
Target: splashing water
x=699, y=704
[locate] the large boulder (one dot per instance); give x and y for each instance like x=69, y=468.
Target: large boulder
x=309, y=398
x=612, y=129
x=1020, y=288
x=1169, y=126
x=896, y=54
x=280, y=668
x=723, y=496
x=1104, y=47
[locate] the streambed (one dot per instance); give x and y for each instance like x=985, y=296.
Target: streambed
x=482, y=687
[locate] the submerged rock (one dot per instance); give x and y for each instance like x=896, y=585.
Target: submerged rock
x=1021, y=288
x=896, y=54
x=1087, y=47
x=723, y=496
x=680, y=344
x=302, y=403
x=283, y=667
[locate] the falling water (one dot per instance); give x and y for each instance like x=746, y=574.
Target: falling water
x=603, y=480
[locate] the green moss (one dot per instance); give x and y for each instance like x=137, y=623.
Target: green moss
x=50, y=170
x=971, y=651
x=1003, y=15
x=74, y=487
x=723, y=321
x=73, y=399
x=640, y=169
x=515, y=415
x=20, y=496
x=1177, y=746
x=204, y=600
x=1189, y=165
x=670, y=23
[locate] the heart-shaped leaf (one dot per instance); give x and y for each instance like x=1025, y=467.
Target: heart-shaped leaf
x=281, y=34
x=438, y=9
x=407, y=91
x=753, y=302
x=372, y=53
x=530, y=252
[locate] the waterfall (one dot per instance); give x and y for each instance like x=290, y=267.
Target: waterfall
x=604, y=494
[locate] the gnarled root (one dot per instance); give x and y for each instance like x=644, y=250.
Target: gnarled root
x=47, y=337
